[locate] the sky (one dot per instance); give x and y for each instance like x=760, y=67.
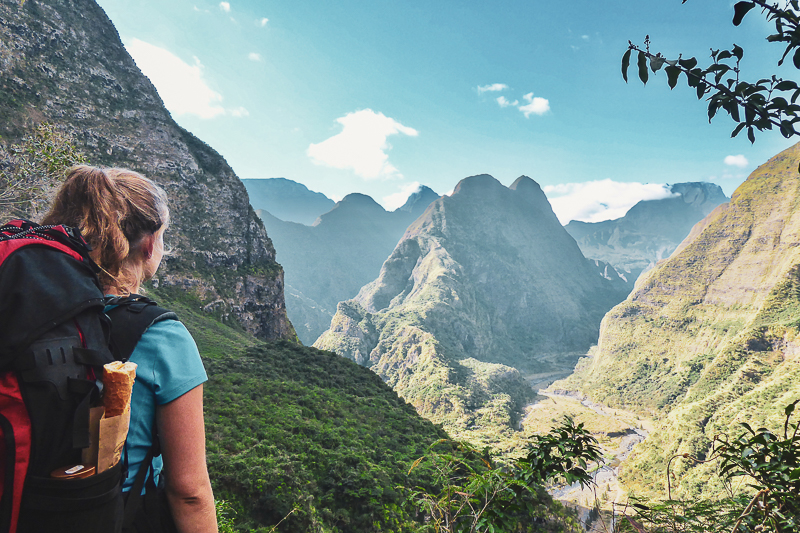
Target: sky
x=381, y=96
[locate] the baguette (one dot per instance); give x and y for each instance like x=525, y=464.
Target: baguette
x=118, y=380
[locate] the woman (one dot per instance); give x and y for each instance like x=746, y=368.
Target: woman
x=123, y=216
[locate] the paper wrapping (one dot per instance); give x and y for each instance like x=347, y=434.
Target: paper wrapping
x=112, y=426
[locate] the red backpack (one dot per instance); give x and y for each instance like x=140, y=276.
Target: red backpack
x=54, y=340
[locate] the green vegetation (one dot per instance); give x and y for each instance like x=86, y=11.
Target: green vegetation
x=708, y=339
x=767, y=103
x=476, y=495
x=769, y=464
x=33, y=169
x=302, y=435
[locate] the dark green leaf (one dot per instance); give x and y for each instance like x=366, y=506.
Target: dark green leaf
x=688, y=64
x=701, y=90
x=656, y=63
x=626, y=61
x=738, y=129
x=796, y=58
x=740, y=9
x=751, y=135
x=642, y=64
x=786, y=85
x=725, y=54
x=737, y=51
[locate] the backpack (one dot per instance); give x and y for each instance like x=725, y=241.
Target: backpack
x=54, y=340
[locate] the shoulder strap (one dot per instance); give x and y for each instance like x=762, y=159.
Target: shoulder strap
x=130, y=318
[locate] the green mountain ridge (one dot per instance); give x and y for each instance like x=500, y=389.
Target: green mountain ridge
x=486, y=284
x=708, y=338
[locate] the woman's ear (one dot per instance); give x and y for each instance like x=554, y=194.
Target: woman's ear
x=148, y=243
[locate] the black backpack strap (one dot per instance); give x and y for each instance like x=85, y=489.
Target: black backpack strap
x=130, y=318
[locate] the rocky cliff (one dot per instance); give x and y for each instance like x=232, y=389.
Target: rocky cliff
x=650, y=231
x=484, y=284
x=343, y=251
x=710, y=338
x=62, y=62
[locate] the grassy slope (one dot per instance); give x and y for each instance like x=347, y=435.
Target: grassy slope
x=293, y=426
x=708, y=339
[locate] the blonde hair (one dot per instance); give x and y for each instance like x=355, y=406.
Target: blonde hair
x=115, y=209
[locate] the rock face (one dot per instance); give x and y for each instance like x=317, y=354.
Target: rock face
x=484, y=283
x=344, y=250
x=709, y=338
x=650, y=231
x=62, y=62
x=287, y=200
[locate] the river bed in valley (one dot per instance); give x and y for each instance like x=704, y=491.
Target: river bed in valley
x=617, y=431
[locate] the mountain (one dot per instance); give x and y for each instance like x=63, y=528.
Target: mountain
x=330, y=261
x=287, y=200
x=650, y=231
x=419, y=200
x=709, y=338
x=62, y=62
x=484, y=285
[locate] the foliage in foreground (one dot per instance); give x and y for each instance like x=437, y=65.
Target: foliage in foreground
x=769, y=462
x=474, y=494
x=766, y=104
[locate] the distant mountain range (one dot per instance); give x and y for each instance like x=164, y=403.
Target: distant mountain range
x=650, y=231
x=287, y=200
x=330, y=261
x=484, y=284
x=710, y=337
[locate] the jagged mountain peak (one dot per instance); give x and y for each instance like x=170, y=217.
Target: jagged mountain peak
x=418, y=201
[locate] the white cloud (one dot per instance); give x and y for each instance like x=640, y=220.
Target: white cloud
x=263, y=22
x=254, y=56
x=239, y=112
x=736, y=161
x=393, y=201
x=594, y=201
x=494, y=87
x=180, y=85
x=361, y=145
x=535, y=106
x=585, y=37
x=225, y=6
x=506, y=103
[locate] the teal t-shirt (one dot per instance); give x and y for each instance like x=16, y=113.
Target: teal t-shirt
x=169, y=366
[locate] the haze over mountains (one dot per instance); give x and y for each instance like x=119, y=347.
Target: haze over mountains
x=650, y=231
x=486, y=282
x=287, y=200
x=330, y=261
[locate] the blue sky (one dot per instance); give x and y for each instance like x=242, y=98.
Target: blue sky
x=380, y=96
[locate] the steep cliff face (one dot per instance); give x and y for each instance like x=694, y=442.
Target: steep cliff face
x=650, y=231
x=710, y=338
x=343, y=251
x=485, y=282
x=62, y=62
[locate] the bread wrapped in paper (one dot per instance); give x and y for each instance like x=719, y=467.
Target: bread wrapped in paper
x=118, y=380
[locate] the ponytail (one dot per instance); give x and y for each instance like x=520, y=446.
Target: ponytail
x=115, y=209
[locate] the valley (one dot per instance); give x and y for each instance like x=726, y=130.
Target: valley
x=343, y=339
